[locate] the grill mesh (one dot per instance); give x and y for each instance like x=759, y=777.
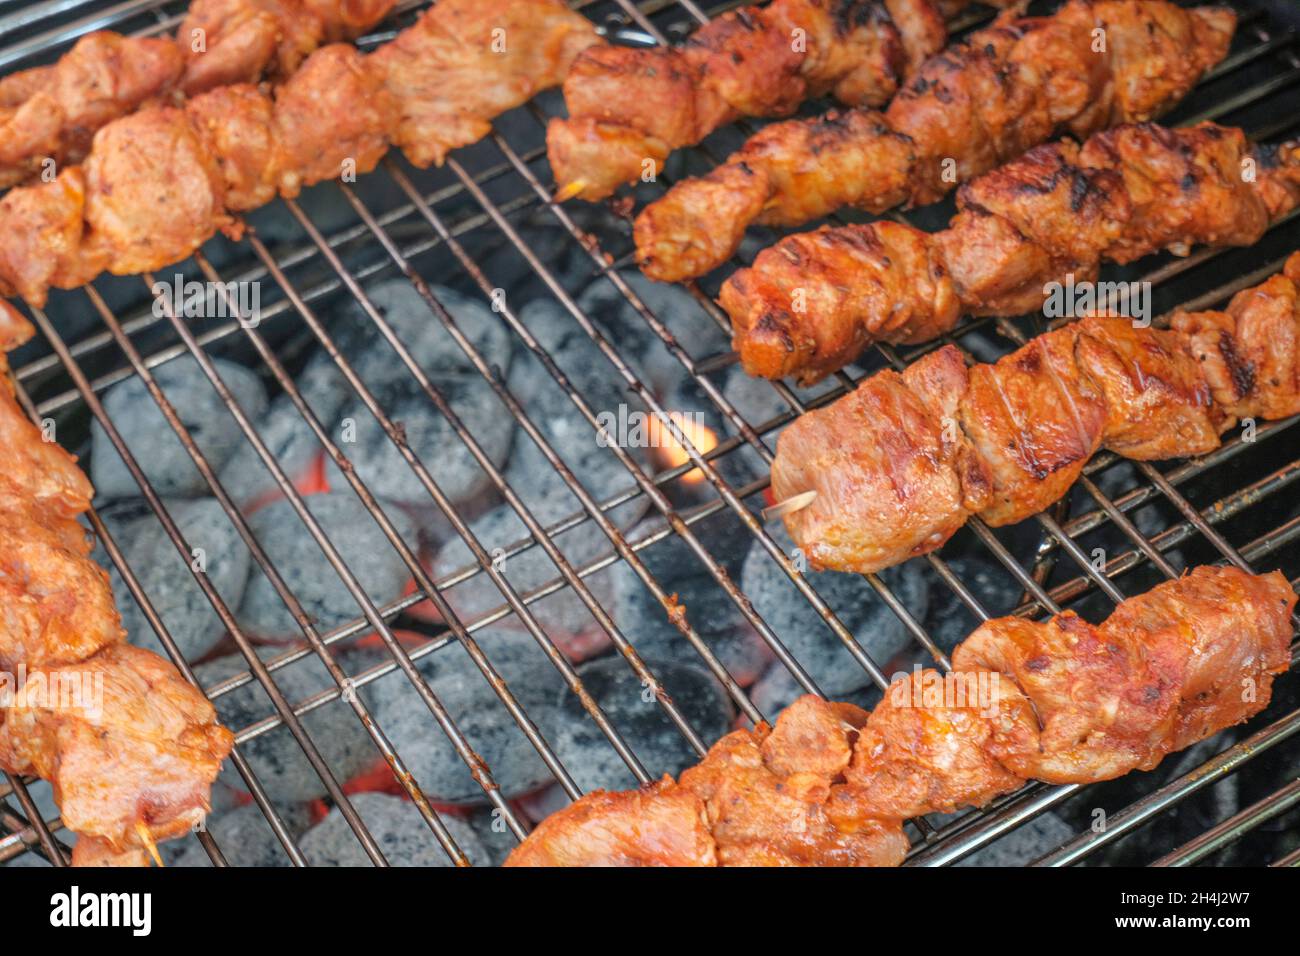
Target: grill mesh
x=486, y=207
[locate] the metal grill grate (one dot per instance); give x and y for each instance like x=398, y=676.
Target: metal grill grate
x=485, y=208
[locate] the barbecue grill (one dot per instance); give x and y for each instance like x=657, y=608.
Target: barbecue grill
x=484, y=226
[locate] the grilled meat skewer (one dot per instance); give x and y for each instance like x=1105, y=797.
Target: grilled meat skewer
x=814, y=301
x=130, y=747
x=242, y=41
x=50, y=113
x=1061, y=701
x=134, y=766
x=1091, y=65
x=629, y=108
x=905, y=459
x=158, y=183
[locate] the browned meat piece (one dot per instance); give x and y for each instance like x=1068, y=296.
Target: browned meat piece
x=468, y=61
x=236, y=41
x=1102, y=711
x=134, y=209
x=1057, y=211
x=1210, y=634
x=1062, y=701
x=834, y=150
x=139, y=746
x=238, y=125
x=1250, y=354
x=43, y=247
x=241, y=41
x=766, y=797
x=1029, y=222
x=671, y=245
x=262, y=148
x=51, y=112
x=1158, y=404
x=887, y=271
x=773, y=798
x=1184, y=189
x=1034, y=419
x=982, y=102
x=991, y=98
x=662, y=825
x=628, y=109
x=154, y=192
x=1159, y=50
x=130, y=748
x=895, y=490
x=788, y=173
x=928, y=746
x=900, y=463
x=58, y=605
x=1163, y=672
x=35, y=470
x=347, y=19
x=335, y=82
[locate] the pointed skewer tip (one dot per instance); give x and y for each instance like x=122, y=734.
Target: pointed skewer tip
x=569, y=190
x=789, y=505
x=146, y=838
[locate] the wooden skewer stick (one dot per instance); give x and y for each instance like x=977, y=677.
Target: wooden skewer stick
x=568, y=191
x=142, y=829
x=789, y=506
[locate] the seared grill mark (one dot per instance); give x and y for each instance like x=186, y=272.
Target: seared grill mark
x=1080, y=185
x=1241, y=372
x=1064, y=206
x=1039, y=185
x=862, y=238
x=771, y=324
x=850, y=15
x=1030, y=361
x=1268, y=156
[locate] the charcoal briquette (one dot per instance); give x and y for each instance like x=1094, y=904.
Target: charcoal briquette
x=295, y=554
x=637, y=715
x=151, y=440
x=478, y=712
x=809, y=638
x=275, y=756
x=403, y=836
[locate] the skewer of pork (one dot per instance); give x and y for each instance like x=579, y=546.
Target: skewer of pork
x=629, y=108
x=893, y=469
x=49, y=114
x=160, y=182
x=1062, y=701
x=130, y=748
x=1091, y=65
x=815, y=301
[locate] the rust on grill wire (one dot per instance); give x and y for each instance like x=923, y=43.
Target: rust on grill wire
x=489, y=211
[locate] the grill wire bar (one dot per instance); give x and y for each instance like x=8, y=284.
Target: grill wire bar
x=22, y=827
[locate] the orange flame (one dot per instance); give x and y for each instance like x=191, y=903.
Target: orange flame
x=671, y=453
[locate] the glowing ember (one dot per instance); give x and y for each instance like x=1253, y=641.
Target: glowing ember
x=670, y=452
x=314, y=480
